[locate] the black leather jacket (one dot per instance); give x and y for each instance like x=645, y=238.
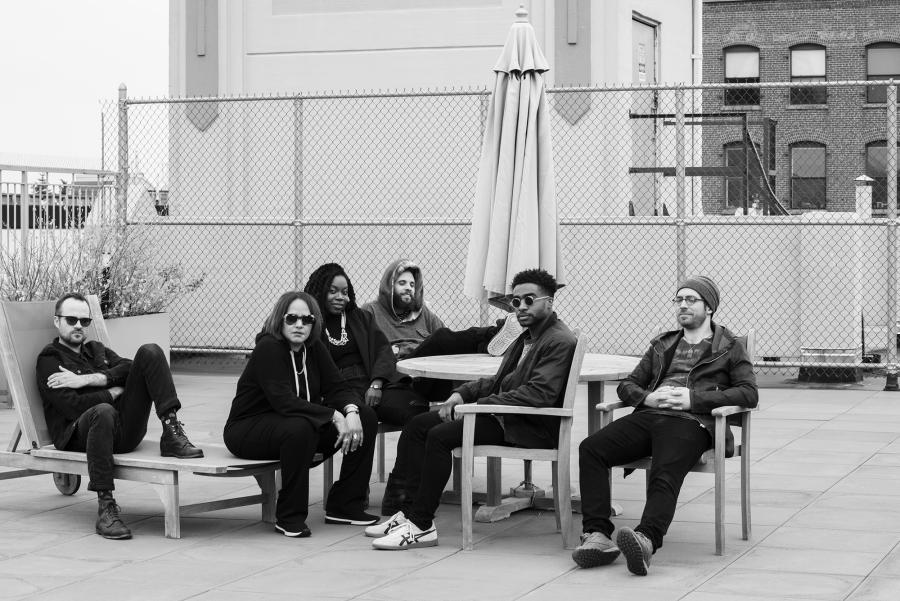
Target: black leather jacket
x=723, y=376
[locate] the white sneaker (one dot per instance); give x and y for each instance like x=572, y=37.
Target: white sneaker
x=406, y=536
x=505, y=336
x=379, y=530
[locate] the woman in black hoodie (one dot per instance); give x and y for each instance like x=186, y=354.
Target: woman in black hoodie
x=291, y=403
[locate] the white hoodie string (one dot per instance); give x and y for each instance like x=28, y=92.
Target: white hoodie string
x=305, y=378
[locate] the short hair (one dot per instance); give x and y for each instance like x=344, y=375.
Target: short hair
x=70, y=295
x=274, y=321
x=320, y=280
x=541, y=277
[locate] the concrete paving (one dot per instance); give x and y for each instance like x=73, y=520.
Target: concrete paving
x=825, y=493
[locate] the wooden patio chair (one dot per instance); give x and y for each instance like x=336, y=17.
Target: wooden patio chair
x=713, y=460
x=559, y=457
x=24, y=330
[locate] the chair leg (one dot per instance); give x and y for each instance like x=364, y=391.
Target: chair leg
x=720, y=504
x=168, y=494
x=467, y=469
x=554, y=469
x=563, y=494
x=745, y=478
x=266, y=483
x=379, y=451
x=327, y=478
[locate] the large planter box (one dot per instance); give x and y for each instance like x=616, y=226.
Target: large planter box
x=127, y=334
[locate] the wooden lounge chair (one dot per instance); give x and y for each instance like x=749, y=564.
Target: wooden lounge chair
x=560, y=456
x=713, y=460
x=25, y=328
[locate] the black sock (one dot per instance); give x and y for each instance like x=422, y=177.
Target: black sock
x=104, y=495
x=170, y=417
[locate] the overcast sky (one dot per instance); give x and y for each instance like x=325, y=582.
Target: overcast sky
x=59, y=58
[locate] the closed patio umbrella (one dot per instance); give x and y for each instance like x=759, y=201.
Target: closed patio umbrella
x=514, y=223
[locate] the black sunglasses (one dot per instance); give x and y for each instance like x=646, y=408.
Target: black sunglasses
x=291, y=318
x=85, y=321
x=527, y=300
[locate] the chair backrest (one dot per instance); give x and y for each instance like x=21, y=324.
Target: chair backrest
x=574, y=371
x=749, y=342
x=25, y=328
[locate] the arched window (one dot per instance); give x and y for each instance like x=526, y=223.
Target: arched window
x=876, y=168
x=808, y=64
x=882, y=62
x=808, y=183
x=742, y=66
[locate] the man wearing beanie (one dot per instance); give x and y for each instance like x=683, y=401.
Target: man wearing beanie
x=683, y=376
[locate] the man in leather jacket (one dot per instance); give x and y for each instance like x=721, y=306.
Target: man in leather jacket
x=683, y=376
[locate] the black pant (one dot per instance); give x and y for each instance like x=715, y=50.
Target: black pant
x=294, y=441
x=674, y=443
x=429, y=443
x=399, y=402
x=120, y=426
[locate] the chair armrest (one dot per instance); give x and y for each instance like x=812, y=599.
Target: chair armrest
x=512, y=410
x=730, y=410
x=608, y=406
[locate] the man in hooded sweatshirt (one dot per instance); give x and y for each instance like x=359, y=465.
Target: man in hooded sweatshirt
x=400, y=311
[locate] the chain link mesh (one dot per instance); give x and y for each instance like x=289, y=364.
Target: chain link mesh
x=256, y=193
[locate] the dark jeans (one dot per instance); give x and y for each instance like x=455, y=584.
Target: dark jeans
x=120, y=426
x=674, y=443
x=429, y=443
x=442, y=341
x=399, y=403
x=294, y=441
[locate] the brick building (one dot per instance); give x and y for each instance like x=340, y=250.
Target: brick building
x=825, y=137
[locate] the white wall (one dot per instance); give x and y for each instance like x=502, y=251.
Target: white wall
x=296, y=47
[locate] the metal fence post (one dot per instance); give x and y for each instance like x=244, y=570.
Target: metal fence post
x=892, y=368
x=24, y=222
x=122, y=173
x=298, y=194
x=680, y=226
x=484, y=313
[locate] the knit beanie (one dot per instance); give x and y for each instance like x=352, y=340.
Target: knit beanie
x=705, y=287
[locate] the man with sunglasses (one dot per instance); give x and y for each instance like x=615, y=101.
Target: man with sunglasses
x=533, y=374
x=99, y=403
x=683, y=376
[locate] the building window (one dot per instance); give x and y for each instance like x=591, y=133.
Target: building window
x=742, y=66
x=882, y=62
x=808, y=64
x=734, y=184
x=808, y=176
x=876, y=168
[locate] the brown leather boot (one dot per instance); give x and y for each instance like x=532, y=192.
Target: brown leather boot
x=109, y=524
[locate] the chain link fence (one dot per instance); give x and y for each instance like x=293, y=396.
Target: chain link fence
x=752, y=184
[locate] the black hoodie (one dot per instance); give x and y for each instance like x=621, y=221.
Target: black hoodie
x=268, y=384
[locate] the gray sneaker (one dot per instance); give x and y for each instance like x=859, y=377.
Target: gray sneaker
x=596, y=549
x=637, y=550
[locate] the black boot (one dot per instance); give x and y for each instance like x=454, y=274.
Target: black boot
x=109, y=524
x=394, y=495
x=174, y=442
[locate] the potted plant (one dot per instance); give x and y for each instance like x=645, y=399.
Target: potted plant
x=119, y=263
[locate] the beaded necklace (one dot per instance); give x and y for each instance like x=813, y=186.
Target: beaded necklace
x=344, y=338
